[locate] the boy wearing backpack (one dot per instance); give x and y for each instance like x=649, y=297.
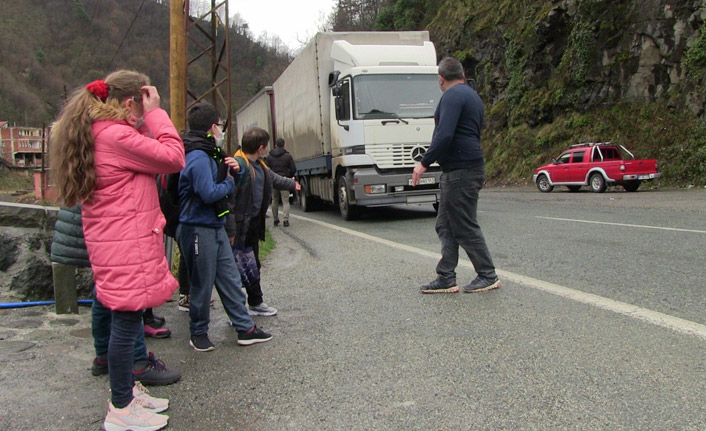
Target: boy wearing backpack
x=168, y=190
x=204, y=185
x=246, y=222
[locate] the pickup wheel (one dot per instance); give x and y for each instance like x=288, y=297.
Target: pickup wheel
x=573, y=188
x=631, y=186
x=597, y=183
x=543, y=184
x=348, y=211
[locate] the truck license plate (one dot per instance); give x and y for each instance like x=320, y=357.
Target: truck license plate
x=645, y=177
x=424, y=180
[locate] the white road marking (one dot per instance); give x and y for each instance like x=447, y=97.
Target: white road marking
x=624, y=224
x=653, y=317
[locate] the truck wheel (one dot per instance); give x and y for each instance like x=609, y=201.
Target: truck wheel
x=597, y=183
x=631, y=186
x=543, y=184
x=306, y=200
x=348, y=211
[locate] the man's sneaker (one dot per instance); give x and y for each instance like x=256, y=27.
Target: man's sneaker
x=154, y=372
x=439, y=286
x=261, y=310
x=482, y=284
x=133, y=417
x=276, y=223
x=201, y=343
x=99, y=366
x=147, y=401
x=183, y=302
x=253, y=336
x=286, y=223
x=157, y=332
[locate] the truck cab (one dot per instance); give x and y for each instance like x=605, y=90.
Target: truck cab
x=384, y=120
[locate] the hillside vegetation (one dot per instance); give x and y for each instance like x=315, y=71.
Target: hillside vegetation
x=49, y=47
x=557, y=72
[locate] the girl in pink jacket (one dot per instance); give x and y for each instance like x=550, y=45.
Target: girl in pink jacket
x=109, y=141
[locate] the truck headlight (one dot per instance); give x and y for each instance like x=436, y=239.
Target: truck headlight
x=375, y=189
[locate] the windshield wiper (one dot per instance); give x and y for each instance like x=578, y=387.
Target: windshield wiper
x=392, y=114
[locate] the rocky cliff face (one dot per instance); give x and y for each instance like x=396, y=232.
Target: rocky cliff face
x=545, y=57
x=25, y=243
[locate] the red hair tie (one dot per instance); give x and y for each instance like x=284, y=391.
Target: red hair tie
x=99, y=89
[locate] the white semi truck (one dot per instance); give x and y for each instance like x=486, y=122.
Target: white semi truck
x=356, y=112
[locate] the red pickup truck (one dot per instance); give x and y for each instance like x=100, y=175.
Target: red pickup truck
x=597, y=165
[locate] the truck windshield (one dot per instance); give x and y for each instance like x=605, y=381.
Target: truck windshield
x=395, y=96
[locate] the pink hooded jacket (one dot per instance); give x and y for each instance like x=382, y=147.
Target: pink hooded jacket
x=122, y=222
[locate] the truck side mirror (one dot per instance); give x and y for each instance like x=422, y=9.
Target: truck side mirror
x=339, y=107
x=333, y=78
x=340, y=111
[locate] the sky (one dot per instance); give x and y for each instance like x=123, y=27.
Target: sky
x=294, y=21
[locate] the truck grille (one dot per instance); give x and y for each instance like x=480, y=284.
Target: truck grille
x=389, y=156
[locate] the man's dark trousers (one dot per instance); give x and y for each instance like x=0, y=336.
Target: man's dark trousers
x=457, y=224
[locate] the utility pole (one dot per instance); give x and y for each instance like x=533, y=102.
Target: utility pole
x=208, y=37
x=177, y=64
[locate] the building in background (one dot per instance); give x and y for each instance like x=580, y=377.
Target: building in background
x=21, y=147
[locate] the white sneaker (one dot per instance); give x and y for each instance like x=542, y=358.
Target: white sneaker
x=133, y=418
x=147, y=401
x=261, y=310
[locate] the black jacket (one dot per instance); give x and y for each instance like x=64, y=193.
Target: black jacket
x=68, y=246
x=280, y=161
x=238, y=220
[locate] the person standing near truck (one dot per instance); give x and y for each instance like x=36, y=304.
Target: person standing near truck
x=282, y=163
x=455, y=145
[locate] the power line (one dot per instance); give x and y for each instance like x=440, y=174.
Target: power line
x=126, y=33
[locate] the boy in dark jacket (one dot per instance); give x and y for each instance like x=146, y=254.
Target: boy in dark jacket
x=281, y=163
x=246, y=221
x=204, y=185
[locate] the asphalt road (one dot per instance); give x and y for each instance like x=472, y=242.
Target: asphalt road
x=357, y=347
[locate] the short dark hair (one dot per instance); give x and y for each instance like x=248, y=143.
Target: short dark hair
x=202, y=116
x=450, y=69
x=279, y=142
x=254, y=138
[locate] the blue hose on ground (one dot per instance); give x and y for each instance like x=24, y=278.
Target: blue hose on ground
x=36, y=303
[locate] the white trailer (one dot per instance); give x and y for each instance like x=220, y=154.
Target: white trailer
x=257, y=112
x=356, y=112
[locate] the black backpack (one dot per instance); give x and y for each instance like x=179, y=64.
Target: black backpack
x=168, y=190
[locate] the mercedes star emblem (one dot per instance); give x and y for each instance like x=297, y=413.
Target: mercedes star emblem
x=418, y=153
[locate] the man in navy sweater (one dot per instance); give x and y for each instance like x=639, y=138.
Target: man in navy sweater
x=455, y=146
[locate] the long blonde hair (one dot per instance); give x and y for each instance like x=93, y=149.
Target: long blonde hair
x=72, y=150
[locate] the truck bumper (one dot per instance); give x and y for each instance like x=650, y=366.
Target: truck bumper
x=393, y=189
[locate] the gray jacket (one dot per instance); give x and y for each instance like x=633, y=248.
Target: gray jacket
x=68, y=246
